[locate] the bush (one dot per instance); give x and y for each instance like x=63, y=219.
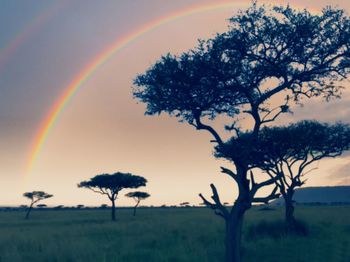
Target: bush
x=275, y=229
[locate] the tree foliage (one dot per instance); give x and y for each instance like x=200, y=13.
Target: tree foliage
x=111, y=184
x=36, y=196
x=138, y=195
x=305, y=55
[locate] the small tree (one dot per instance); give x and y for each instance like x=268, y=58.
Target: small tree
x=104, y=206
x=137, y=196
x=289, y=152
x=35, y=197
x=111, y=184
x=269, y=59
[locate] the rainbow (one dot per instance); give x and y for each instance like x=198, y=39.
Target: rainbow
x=30, y=30
x=101, y=58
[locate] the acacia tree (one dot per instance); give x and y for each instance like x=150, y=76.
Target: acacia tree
x=289, y=152
x=111, y=184
x=35, y=196
x=269, y=59
x=137, y=196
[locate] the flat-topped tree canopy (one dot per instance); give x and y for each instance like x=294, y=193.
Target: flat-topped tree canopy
x=265, y=52
x=138, y=195
x=36, y=196
x=111, y=184
x=306, y=140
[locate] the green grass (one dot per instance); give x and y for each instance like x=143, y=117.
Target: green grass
x=182, y=234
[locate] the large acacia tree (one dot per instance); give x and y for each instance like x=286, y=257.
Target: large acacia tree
x=35, y=197
x=269, y=59
x=289, y=152
x=111, y=184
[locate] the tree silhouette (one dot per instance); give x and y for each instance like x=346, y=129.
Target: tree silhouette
x=111, y=184
x=35, y=196
x=269, y=59
x=137, y=196
x=289, y=152
x=103, y=206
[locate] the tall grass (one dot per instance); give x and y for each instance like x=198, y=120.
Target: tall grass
x=183, y=234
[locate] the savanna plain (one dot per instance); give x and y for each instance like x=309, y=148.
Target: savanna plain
x=171, y=234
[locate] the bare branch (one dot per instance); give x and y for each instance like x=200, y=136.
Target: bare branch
x=97, y=191
x=230, y=173
x=211, y=205
x=266, y=200
x=217, y=206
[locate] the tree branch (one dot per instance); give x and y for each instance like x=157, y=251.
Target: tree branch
x=266, y=200
x=199, y=125
x=217, y=206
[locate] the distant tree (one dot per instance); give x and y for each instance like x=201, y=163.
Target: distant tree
x=58, y=207
x=137, y=196
x=289, y=152
x=269, y=59
x=80, y=206
x=35, y=196
x=111, y=184
x=185, y=204
x=41, y=205
x=104, y=206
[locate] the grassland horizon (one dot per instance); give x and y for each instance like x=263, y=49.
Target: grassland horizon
x=169, y=234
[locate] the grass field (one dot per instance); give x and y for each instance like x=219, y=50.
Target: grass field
x=170, y=234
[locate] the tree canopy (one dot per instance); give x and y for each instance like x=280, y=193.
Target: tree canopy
x=111, y=184
x=299, y=54
x=138, y=195
x=36, y=196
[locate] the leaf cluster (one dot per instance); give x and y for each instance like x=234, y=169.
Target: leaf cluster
x=299, y=141
x=138, y=195
x=111, y=184
x=36, y=196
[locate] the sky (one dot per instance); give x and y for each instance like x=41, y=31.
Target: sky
x=45, y=45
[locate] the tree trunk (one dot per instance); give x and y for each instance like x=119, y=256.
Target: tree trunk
x=28, y=211
x=290, y=222
x=113, y=209
x=136, y=207
x=233, y=237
